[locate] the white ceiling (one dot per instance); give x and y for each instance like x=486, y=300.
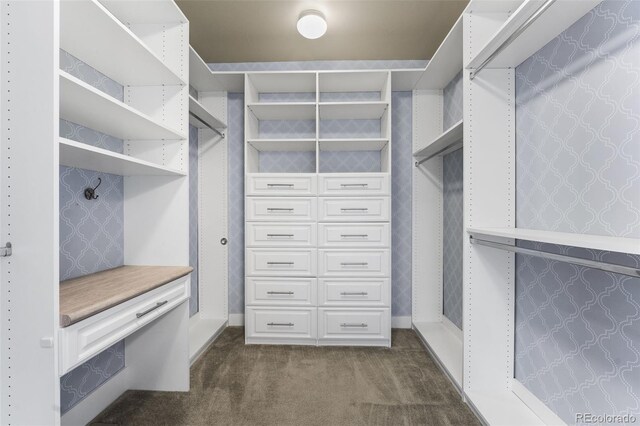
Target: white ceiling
x=265, y=30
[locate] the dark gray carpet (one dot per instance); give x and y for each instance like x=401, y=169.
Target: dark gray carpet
x=236, y=384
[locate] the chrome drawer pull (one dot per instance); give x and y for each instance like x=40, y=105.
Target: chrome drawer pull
x=280, y=235
x=354, y=264
x=354, y=235
x=280, y=292
x=360, y=185
x=279, y=263
x=279, y=209
x=143, y=313
x=354, y=209
x=361, y=325
x=354, y=293
x=283, y=185
x=280, y=324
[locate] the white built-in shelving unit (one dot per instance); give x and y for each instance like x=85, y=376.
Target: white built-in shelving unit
x=431, y=141
x=143, y=46
x=317, y=244
x=208, y=112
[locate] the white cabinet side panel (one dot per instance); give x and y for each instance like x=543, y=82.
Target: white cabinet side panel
x=488, y=274
x=427, y=211
x=29, y=381
x=212, y=213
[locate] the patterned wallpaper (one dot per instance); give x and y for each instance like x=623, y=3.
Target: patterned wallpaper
x=91, y=232
x=578, y=170
x=401, y=180
x=193, y=217
x=452, y=236
x=319, y=65
x=453, y=208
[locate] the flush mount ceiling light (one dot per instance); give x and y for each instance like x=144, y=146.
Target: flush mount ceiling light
x=311, y=24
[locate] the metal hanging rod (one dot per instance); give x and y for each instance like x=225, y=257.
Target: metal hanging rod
x=450, y=148
x=513, y=36
x=222, y=135
x=595, y=264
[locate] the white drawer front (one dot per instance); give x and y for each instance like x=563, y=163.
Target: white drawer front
x=354, y=184
x=281, y=291
x=286, y=184
x=353, y=263
x=271, y=324
x=83, y=340
x=281, y=209
x=368, y=324
x=353, y=292
x=353, y=209
x=374, y=235
x=275, y=262
x=280, y=235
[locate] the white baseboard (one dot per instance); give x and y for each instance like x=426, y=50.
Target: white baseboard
x=236, y=320
x=87, y=409
x=401, y=322
x=547, y=416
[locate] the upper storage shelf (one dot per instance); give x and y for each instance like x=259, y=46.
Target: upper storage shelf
x=352, y=110
x=353, y=81
x=291, y=83
x=448, y=141
x=204, y=117
x=83, y=104
x=445, y=63
x=84, y=156
x=91, y=33
x=595, y=242
x=534, y=24
x=204, y=80
x=284, y=110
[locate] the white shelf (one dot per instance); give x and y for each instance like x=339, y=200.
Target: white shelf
x=83, y=104
x=446, y=63
x=352, y=81
x=145, y=12
x=283, y=144
x=450, y=140
x=502, y=408
x=352, y=110
x=203, y=115
x=595, y=242
x=91, y=33
x=445, y=345
x=283, y=82
x=353, y=144
x=284, y=110
x=84, y=156
x=560, y=16
x=202, y=332
x=405, y=80
x=204, y=80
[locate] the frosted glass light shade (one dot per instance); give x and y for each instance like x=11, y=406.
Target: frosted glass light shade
x=312, y=24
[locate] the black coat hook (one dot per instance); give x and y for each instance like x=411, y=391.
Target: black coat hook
x=90, y=193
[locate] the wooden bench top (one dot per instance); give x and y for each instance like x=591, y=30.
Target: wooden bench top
x=85, y=296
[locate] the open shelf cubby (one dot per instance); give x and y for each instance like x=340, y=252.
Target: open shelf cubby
x=318, y=122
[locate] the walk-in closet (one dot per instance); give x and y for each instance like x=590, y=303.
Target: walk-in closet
x=274, y=212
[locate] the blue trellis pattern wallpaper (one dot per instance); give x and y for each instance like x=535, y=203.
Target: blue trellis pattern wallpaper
x=453, y=207
x=452, y=237
x=577, y=342
x=350, y=161
x=193, y=217
x=91, y=232
x=452, y=102
x=401, y=167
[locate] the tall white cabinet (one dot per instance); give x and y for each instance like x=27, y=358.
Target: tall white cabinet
x=318, y=258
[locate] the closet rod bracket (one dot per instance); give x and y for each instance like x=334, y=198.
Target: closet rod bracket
x=6, y=251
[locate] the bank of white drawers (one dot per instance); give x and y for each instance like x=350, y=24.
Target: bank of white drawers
x=318, y=261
